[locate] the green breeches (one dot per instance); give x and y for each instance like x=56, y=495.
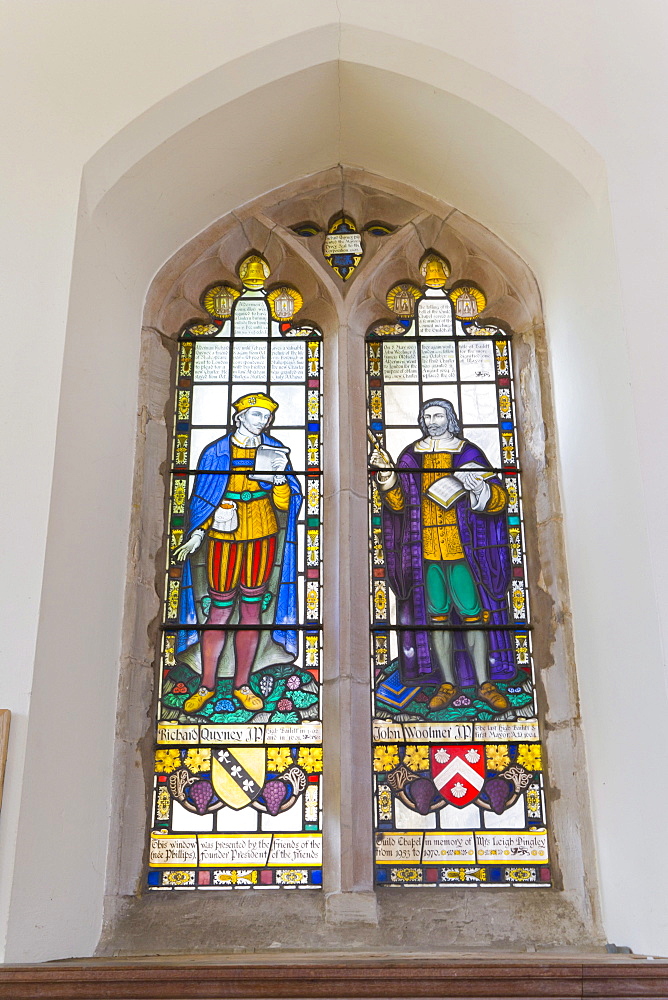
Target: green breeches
x=448, y=583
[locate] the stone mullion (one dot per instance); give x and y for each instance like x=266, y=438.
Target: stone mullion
x=347, y=733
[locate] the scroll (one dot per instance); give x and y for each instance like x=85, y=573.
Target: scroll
x=265, y=469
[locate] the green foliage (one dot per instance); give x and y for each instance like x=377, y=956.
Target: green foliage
x=173, y=700
x=476, y=711
x=302, y=699
x=228, y=718
x=182, y=673
x=285, y=717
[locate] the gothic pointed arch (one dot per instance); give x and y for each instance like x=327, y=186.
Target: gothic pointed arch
x=340, y=246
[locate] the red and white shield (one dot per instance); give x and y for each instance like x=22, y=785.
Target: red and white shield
x=458, y=771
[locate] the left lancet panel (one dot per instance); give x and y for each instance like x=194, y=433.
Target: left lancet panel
x=238, y=760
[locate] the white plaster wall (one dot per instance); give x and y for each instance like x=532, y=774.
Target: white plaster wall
x=516, y=111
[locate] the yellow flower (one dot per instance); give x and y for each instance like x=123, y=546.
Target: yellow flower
x=310, y=759
x=385, y=758
x=406, y=875
x=178, y=878
x=497, y=757
x=529, y=756
x=167, y=761
x=198, y=760
x=417, y=758
x=520, y=874
x=278, y=758
x=291, y=877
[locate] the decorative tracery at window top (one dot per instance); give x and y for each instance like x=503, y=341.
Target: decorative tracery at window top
x=458, y=781
x=237, y=800
x=457, y=756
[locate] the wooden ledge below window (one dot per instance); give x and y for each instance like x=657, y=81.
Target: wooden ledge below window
x=183, y=978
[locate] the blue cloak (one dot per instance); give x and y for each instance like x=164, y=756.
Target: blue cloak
x=207, y=494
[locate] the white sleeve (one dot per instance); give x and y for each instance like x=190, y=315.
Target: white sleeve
x=386, y=480
x=479, y=502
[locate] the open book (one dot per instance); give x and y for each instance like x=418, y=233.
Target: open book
x=448, y=489
x=264, y=466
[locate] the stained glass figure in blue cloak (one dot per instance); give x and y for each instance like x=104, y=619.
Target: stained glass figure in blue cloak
x=241, y=556
x=448, y=561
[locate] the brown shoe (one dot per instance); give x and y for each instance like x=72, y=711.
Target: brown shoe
x=445, y=694
x=490, y=694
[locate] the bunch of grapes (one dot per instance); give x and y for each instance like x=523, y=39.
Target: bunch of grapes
x=497, y=792
x=275, y=792
x=201, y=793
x=266, y=685
x=422, y=791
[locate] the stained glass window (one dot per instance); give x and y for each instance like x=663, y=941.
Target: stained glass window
x=457, y=758
x=238, y=761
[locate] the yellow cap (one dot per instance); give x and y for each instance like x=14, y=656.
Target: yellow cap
x=255, y=399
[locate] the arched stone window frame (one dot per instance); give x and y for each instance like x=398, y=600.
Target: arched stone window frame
x=566, y=914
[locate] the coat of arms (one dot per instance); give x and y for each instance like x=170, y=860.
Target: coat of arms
x=237, y=774
x=458, y=772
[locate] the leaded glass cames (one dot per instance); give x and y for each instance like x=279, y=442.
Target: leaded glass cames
x=458, y=794
x=238, y=765
x=457, y=759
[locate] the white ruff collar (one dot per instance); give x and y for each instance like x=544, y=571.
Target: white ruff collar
x=438, y=444
x=246, y=440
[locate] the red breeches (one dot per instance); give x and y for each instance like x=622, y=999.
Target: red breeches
x=246, y=564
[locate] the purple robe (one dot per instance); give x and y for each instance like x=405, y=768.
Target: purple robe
x=485, y=542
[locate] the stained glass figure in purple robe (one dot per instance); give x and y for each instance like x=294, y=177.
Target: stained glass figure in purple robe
x=448, y=560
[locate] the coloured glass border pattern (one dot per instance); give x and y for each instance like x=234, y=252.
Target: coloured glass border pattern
x=457, y=759
x=238, y=760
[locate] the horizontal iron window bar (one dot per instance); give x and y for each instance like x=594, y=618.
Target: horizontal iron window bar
x=241, y=628
x=268, y=339
x=372, y=338
x=473, y=626
x=430, y=472
x=223, y=472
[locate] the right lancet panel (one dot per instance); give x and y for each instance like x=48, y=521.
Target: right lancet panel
x=457, y=755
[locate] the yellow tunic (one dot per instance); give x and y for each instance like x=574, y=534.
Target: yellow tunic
x=440, y=533
x=257, y=517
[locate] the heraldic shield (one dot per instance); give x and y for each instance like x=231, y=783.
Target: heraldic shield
x=458, y=771
x=237, y=774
